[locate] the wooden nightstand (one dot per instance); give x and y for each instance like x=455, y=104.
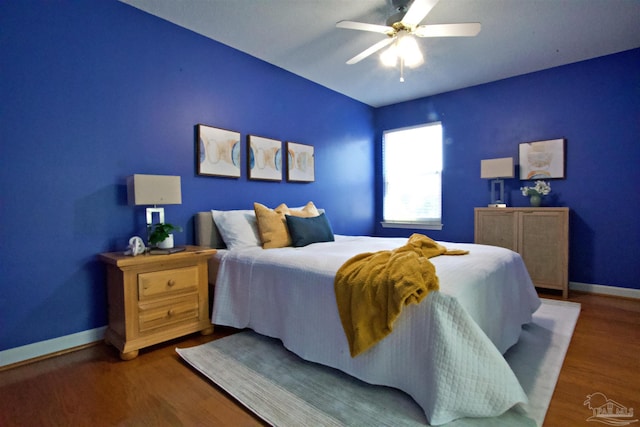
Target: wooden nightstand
x=154, y=298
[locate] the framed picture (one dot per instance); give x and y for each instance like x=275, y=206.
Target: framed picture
x=300, y=163
x=218, y=152
x=542, y=159
x=264, y=158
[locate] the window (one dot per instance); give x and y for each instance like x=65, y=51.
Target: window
x=412, y=174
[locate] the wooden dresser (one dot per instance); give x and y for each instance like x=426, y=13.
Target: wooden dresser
x=539, y=235
x=154, y=298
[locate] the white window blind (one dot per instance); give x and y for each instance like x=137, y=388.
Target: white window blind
x=412, y=170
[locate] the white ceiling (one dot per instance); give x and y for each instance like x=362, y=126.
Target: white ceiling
x=517, y=37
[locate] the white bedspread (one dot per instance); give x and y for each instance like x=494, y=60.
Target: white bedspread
x=445, y=352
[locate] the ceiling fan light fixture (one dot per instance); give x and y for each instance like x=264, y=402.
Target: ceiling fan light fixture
x=409, y=51
x=401, y=29
x=405, y=49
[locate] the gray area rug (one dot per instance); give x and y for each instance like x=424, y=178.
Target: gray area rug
x=285, y=390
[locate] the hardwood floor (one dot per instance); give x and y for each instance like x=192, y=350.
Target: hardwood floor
x=94, y=387
x=604, y=356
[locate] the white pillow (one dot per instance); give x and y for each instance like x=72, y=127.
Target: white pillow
x=238, y=229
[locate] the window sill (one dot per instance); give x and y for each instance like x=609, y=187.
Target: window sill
x=414, y=225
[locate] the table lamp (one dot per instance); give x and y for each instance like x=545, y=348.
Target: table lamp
x=496, y=169
x=154, y=190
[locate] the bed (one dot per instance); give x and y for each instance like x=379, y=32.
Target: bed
x=445, y=352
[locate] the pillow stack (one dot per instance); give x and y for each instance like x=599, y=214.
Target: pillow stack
x=283, y=226
x=273, y=228
x=272, y=224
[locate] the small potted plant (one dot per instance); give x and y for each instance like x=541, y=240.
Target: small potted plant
x=161, y=235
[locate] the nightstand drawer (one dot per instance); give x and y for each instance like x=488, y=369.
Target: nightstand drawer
x=158, y=283
x=178, y=310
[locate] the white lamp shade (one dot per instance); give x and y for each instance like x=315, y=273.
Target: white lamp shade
x=497, y=168
x=154, y=190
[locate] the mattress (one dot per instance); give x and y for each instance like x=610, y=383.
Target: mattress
x=445, y=352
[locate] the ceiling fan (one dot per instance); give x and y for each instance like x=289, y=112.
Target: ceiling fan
x=400, y=29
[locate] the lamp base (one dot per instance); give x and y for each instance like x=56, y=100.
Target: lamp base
x=151, y=211
x=497, y=194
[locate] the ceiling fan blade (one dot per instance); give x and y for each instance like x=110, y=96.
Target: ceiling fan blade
x=448, y=30
x=373, y=49
x=416, y=13
x=351, y=25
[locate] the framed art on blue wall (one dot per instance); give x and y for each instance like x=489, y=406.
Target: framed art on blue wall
x=300, y=162
x=542, y=159
x=264, y=158
x=218, y=152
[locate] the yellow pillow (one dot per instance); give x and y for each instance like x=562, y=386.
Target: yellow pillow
x=272, y=224
x=309, y=210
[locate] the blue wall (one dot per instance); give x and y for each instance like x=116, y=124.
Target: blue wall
x=595, y=105
x=94, y=91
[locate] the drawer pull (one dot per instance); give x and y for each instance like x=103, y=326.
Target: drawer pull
x=171, y=283
x=170, y=313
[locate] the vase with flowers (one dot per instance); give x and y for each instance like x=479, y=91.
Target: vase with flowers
x=535, y=193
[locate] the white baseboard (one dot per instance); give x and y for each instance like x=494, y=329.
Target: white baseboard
x=54, y=345
x=605, y=290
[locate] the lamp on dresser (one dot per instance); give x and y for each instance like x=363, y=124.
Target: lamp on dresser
x=496, y=170
x=154, y=190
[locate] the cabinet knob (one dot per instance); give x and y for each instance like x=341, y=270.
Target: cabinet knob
x=170, y=312
x=171, y=283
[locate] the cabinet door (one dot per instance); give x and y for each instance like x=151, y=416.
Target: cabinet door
x=496, y=227
x=544, y=248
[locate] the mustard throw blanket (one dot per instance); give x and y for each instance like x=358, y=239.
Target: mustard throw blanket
x=372, y=288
